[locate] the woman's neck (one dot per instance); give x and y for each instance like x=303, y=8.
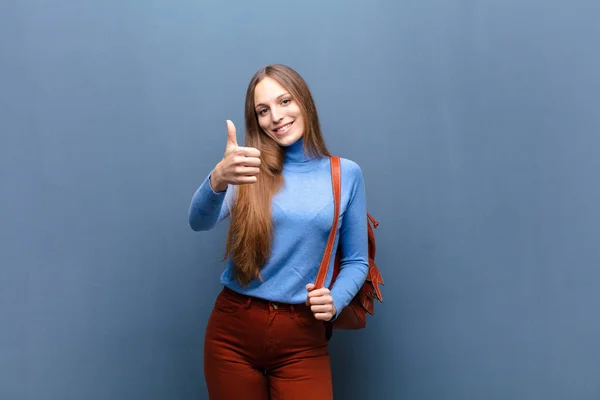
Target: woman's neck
x=295, y=153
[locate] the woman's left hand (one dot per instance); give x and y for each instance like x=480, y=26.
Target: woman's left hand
x=320, y=302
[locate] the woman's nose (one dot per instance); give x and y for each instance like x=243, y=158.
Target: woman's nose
x=276, y=115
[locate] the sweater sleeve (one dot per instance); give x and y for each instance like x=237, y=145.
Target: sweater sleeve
x=353, y=242
x=208, y=207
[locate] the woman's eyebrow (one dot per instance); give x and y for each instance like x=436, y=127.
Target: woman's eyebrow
x=277, y=98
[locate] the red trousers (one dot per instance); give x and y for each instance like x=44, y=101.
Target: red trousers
x=260, y=350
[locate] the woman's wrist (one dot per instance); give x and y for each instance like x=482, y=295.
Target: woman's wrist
x=215, y=180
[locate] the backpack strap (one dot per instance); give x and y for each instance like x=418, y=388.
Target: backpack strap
x=337, y=190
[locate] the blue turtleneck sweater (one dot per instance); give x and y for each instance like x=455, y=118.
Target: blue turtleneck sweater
x=302, y=214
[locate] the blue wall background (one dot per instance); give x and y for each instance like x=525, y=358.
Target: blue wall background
x=477, y=127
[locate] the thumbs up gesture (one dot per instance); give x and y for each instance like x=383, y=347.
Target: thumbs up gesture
x=240, y=165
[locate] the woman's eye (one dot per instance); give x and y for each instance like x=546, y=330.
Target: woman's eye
x=286, y=102
x=263, y=111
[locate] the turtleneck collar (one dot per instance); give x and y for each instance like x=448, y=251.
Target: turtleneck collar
x=294, y=154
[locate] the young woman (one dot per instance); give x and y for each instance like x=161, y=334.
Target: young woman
x=265, y=338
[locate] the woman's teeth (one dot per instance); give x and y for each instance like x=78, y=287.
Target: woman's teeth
x=284, y=128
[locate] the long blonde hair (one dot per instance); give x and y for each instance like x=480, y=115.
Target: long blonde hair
x=251, y=228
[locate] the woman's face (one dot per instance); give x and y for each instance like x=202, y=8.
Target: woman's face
x=279, y=115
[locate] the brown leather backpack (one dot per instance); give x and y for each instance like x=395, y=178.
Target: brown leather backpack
x=354, y=315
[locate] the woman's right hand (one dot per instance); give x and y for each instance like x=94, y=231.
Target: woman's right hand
x=240, y=165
